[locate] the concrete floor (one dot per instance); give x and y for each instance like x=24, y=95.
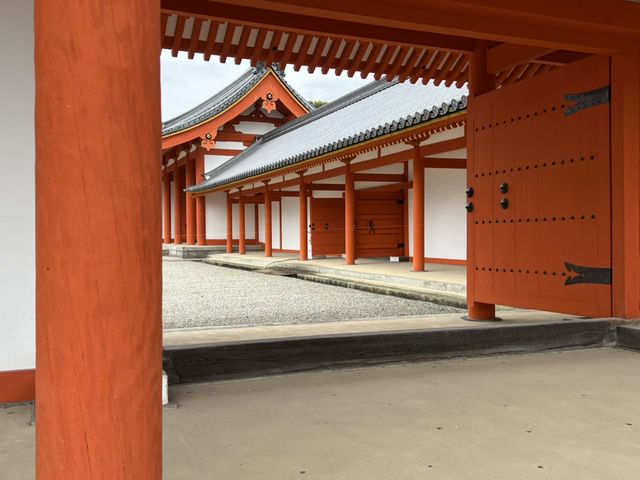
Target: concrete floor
x=564, y=415
x=196, y=336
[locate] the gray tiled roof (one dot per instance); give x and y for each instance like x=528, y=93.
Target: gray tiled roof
x=227, y=97
x=374, y=110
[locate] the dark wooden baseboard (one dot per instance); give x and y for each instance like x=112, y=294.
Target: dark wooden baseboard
x=628, y=337
x=233, y=360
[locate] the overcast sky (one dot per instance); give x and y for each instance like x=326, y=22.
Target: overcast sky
x=186, y=83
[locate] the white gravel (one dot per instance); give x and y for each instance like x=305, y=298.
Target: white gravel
x=201, y=295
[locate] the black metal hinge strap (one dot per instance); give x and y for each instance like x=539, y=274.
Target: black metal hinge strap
x=601, y=276
x=587, y=99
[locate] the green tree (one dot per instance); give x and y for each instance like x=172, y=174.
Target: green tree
x=317, y=103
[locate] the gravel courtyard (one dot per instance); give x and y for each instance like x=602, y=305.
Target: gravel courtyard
x=201, y=295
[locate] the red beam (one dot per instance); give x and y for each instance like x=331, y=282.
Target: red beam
x=508, y=55
x=224, y=151
x=445, y=163
x=283, y=17
x=589, y=25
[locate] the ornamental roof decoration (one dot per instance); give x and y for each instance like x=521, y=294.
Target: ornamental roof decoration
x=228, y=96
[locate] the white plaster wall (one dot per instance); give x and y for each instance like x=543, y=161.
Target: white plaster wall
x=235, y=231
x=275, y=224
x=17, y=195
x=394, y=168
x=338, y=180
x=214, y=161
x=261, y=223
x=163, y=211
x=215, y=207
x=333, y=165
x=254, y=128
x=445, y=216
x=445, y=135
x=398, y=147
x=173, y=218
x=445, y=227
x=249, y=222
x=290, y=223
x=327, y=194
x=231, y=145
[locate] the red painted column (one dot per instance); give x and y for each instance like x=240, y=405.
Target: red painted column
x=625, y=179
x=268, y=234
x=189, y=167
x=98, y=259
x=349, y=216
x=229, y=224
x=242, y=248
x=418, y=209
x=479, y=82
x=201, y=220
x=405, y=210
x=177, y=205
x=303, y=218
x=166, y=202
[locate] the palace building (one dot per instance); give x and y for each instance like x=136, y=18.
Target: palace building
x=207, y=136
x=552, y=135
x=349, y=179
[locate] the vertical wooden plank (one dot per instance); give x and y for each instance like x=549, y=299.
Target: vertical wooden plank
x=625, y=148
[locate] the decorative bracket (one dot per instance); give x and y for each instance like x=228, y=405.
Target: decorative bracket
x=269, y=100
x=587, y=99
x=601, y=276
x=208, y=140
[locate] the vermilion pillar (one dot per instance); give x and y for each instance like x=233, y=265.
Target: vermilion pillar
x=479, y=82
x=166, y=197
x=268, y=235
x=349, y=216
x=303, y=218
x=625, y=177
x=98, y=259
x=405, y=209
x=201, y=221
x=418, y=209
x=189, y=168
x=242, y=243
x=229, y=224
x=178, y=194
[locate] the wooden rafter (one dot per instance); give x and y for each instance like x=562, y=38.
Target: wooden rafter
x=258, y=46
x=211, y=39
x=195, y=37
x=177, y=36
x=242, y=46
x=226, y=42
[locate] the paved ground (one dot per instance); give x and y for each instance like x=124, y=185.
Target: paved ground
x=201, y=295
x=568, y=416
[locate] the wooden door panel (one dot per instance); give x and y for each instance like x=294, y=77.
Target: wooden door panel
x=557, y=168
x=380, y=224
x=327, y=226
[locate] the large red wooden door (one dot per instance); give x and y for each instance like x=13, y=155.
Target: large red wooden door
x=379, y=224
x=327, y=226
x=540, y=228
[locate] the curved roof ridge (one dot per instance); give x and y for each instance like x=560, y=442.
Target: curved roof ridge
x=227, y=97
x=390, y=111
